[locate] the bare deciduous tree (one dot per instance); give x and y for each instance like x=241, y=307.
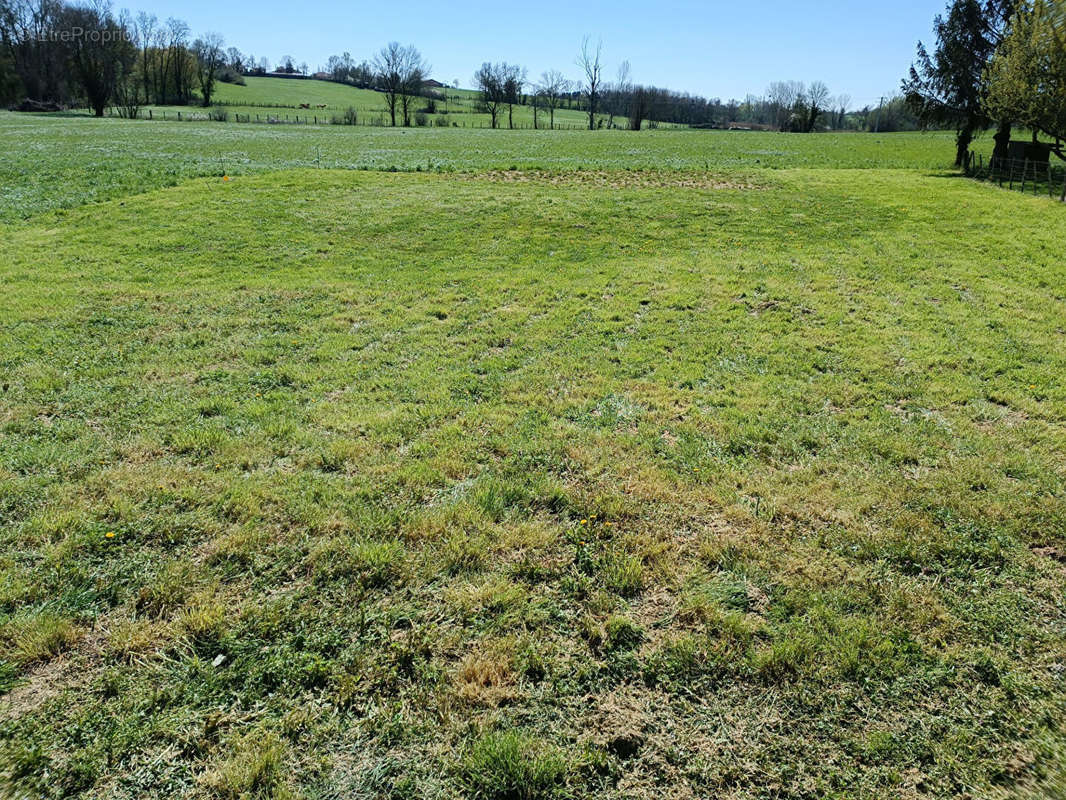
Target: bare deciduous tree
x=129, y=84
x=98, y=60
x=209, y=60
x=641, y=100
x=817, y=101
x=400, y=72
x=591, y=65
x=783, y=96
x=235, y=60
x=843, y=103
x=489, y=80
x=173, y=67
x=617, y=96
x=553, y=85
x=146, y=29
x=413, y=77
x=514, y=78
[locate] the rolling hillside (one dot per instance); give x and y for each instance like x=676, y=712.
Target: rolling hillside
x=283, y=97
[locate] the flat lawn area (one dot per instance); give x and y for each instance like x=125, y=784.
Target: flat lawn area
x=62, y=162
x=323, y=483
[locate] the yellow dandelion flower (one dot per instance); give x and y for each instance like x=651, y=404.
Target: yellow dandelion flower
x=584, y=522
x=110, y=535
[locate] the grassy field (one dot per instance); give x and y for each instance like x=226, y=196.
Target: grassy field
x=62, y=162
x=644, y=480
x=282, y=97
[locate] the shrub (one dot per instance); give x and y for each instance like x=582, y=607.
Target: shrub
x=421, y=120
x=440, y=121
x=230, y=75
x=349, y=117
x=512, y=766
x=219, y=114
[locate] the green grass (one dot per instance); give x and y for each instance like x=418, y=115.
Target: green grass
x=287, y=92
x=493, y=484
x=461, y=106
x=56, y=163
x=281, y=98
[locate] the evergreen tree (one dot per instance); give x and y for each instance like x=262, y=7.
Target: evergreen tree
x=947, y=86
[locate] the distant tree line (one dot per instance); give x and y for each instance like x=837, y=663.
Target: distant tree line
x=622, y=103
x=55, y=53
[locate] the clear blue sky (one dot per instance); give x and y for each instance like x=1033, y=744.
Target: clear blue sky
x=720, y=49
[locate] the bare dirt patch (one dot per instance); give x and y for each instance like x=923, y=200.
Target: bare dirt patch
x=622, y=179
x=42, y=684
x=1056, y=554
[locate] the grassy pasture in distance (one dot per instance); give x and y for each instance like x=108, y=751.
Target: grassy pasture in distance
x=61, y=162
x=285, y=95
x=645, y=480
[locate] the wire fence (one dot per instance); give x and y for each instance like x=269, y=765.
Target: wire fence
x=375, y=120
x=1021, y=174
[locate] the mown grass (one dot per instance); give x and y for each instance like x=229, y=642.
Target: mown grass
x=57, y=163
x=323, y=483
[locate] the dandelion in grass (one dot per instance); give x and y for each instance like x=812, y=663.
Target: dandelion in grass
x=109, y=535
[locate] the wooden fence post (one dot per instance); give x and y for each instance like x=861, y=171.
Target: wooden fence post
x=1010, y=184
x=1025, y=170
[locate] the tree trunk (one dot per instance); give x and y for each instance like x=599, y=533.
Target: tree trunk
x=962, y=145
x=1002, y=140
